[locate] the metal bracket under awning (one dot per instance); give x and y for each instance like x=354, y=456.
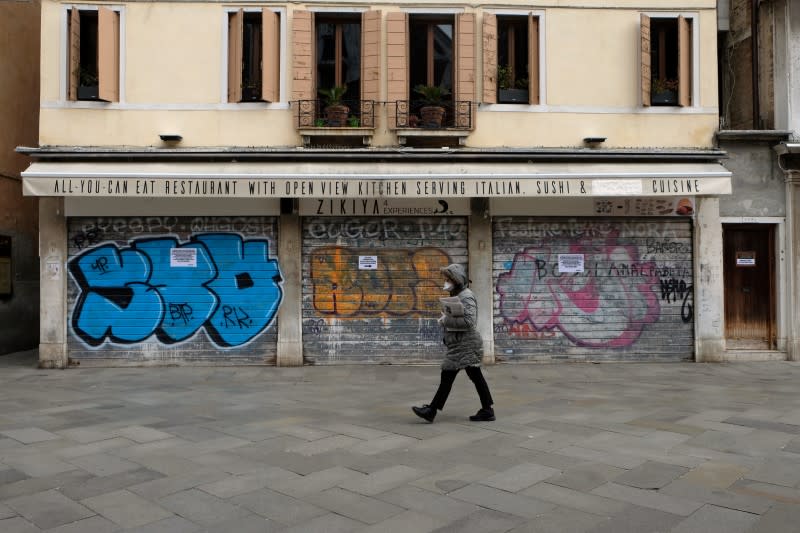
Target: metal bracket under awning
x=374, y=180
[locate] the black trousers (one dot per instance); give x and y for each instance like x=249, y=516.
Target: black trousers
x=449, y=376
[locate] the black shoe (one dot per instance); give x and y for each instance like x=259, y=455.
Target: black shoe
x=426, y=411
x=485, y=414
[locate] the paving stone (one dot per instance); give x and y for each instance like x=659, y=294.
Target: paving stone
x=98, y=446
x=405, y=523
x=383, y=444
x=18, y=525
x=781, y=518
x=329, y=523
x=561, y=520
x=263, y=477
x=324, y=445
x=519, y=477
x=35, y=465
x=251, y=523
x=100, y=485
x=356, y=506
x=29, y=435
x=432, y=504
x=502, y=501
x=93, y=524
x=304, y=432
x=40, y=484
x=126, y=508
x=712, y=519
x=453, y=478
x=10, y=475
x=720, y=497
x=637, y=519
x=48, y=509
x=714, y=474
x=317, y=481
x=353, y=430
x=142, y=434
x=650, y=475
x=101, y=464
x=201, y=508
x=776, y=493
x=585, y=477
x=614, y=459
x=164, y=486
x=793, y=429
x=777, y=471
x=163, y=446
x=6, y=512
x=173, y=524
x=562, y=496
x=382, y=480
x=278, y=507
x=228, y=462
x=644, y=498
x=482, y=521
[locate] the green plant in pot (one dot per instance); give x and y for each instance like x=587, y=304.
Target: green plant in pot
x=664, y=91
x=88, y=84
x=432, y=112
x=336, y=112
x=508, y=91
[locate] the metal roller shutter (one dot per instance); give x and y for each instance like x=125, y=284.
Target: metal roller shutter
x=165, y=288
x=371, y=287
x=631, y=301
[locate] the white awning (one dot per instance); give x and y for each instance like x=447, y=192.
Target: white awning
x=374, y=180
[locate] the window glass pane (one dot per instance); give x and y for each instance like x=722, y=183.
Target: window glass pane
x=326, y=55
x=351, y=60
x=521, y=48
x=87, y=75
x=418, y=54
x=251, y=57
x=443, y=56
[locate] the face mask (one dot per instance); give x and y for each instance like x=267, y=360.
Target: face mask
x=448, y=286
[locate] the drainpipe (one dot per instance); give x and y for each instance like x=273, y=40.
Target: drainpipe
x=755, y=62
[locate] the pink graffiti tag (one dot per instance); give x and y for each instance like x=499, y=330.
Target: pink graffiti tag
x=606, y=306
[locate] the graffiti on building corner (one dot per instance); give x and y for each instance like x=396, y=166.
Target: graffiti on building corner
x=607, y=305
x=158, y=286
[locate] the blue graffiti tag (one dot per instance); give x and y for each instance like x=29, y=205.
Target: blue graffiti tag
x=231, y=288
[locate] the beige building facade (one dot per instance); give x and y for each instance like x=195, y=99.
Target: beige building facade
x=279, y=183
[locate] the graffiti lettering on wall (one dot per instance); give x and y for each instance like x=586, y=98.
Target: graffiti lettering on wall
x=673, y=290
x=231, y=288
x=410, y=230
x=95, y=228
x=406, y=282
x=606, y=306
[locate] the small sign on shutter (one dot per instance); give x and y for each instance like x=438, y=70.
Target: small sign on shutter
x=746, y=259
x=368, y=262
x=183, y=257
x=570, y=263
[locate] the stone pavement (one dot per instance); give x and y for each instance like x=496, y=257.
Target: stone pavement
x=577, y=447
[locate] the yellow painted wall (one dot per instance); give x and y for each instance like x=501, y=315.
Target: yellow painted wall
x=173, y=57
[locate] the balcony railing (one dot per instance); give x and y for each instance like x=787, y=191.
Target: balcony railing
x=414, y=114
x=351, y=114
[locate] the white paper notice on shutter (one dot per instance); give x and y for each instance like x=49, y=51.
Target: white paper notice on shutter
x=568, y=263
x=368, y=262
x=183, y=257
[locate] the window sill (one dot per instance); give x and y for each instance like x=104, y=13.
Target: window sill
x=404, y=133
x=309, y=133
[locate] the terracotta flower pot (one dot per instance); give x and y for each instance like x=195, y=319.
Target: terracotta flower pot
x=336, y=115
x=431, y=116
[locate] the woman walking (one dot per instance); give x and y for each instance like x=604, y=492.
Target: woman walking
x=464, y=349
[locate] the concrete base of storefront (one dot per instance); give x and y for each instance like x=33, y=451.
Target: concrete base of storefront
x=52, y=355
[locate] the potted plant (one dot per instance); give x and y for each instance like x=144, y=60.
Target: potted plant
x=251, y=92
x=664, y=91
x=432, y=112
x=508, y=92
x=88, y=84
x=336, y=112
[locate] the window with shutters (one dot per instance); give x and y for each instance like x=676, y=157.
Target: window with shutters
x=666, y=61
x=338, y=43
x=431, y=54
x=93, y=54
x=253, y=56
x=511, y=58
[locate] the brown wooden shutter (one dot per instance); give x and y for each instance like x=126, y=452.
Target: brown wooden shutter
x=235, y=44
x=270, y=56
x=533, y=59
x=489, y=58
x=370, y=65
x=74, y=53
x=108, y=54
x=645, y=52
x=684, y=62
x=465, y=57
x=302, y=55
x=397, y=63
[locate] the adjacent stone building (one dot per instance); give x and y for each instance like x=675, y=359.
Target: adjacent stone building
x=19, y=112
x=279, y=183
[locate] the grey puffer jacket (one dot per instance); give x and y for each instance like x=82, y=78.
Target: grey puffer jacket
x=464, y=348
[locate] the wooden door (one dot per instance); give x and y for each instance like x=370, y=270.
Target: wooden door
x=749, y=286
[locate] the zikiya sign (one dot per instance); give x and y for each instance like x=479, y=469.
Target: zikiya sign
x=389, y=187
